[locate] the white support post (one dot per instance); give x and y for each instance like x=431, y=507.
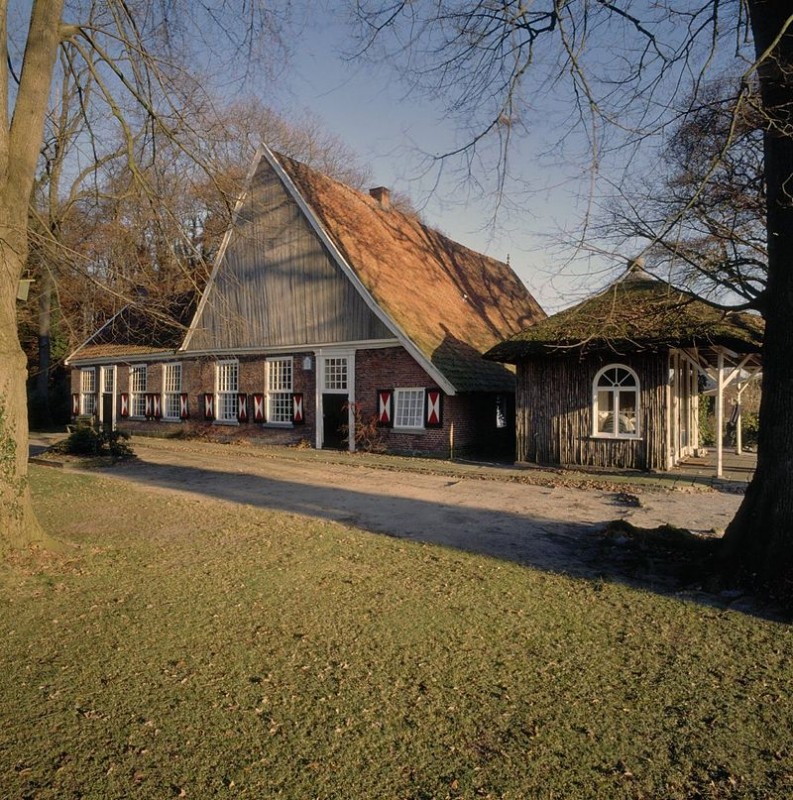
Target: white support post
x=720, y=415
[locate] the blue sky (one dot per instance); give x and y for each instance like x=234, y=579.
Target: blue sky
x=368, y=109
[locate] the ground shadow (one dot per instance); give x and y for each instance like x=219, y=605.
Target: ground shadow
x=570, y=548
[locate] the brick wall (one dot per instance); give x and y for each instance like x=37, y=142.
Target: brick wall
x=468, y=429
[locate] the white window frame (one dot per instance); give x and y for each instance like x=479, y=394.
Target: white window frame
x=138, y=389
x=401, y=395
x=88, y=391
x=171, y=391
x=278, y=390
x=227, y=387
x=335, y=377
x=615, y=390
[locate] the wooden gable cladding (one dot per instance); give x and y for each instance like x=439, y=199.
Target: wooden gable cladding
x=277, y=284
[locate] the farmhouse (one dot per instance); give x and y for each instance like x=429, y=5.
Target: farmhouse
x=326, y=307
x=614, y=381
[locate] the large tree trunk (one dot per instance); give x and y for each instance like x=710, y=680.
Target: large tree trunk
x=17, y=520
x=759, y=541
x=20, y=143
x=40, y=411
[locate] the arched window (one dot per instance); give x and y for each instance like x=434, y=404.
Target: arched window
x=615, y=402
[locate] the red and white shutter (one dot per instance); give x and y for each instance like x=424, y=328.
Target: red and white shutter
x=184, y=408
x=209, y=406
x=124, y=404
x=385, y=407
x=298, y=415
x=258, y=408
x=242, y=408
x=148, y=405
x=156, y=406
x=75, y=405
x=433, y=416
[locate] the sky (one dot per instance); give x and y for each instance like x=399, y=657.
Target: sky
x=368, y=109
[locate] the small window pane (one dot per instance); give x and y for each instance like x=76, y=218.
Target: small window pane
x=88, y=380
x=228, y=381
x=409, y=408
x=627, y=415
x=605, y=411
x=173, y=378
x=279, y=390
x=335, y=374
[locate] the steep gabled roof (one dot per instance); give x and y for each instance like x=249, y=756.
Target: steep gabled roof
x=450, y=302
x=636, y=313
x=139, y=330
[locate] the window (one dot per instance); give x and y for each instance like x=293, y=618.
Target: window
x=408, y=408
x=137, y=391
x=279, y=389
x=615, y=402
x=228, y=385
x=336, y=374
x=88, y=391
x=172, y=388
x=108, y=373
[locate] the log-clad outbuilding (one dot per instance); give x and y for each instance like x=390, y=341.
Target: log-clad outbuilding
x=614, y=381
x=326, y=307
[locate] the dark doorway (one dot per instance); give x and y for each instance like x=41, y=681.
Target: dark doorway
x=107, y=411
x=334, y=418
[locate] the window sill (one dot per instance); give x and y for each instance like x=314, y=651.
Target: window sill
x=281, y=425
x=408, y=430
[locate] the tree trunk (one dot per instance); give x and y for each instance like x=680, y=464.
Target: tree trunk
x=758, y=544
x=43, y=412
x=17, y=521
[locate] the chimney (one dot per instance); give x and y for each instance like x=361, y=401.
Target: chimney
x=382, y=195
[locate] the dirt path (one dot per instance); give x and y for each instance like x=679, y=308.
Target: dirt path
x=551, y=527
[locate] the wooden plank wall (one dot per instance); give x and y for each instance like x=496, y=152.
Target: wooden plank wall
x=554, y=413
x=277, y=284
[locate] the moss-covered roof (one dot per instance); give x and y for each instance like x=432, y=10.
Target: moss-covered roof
x=636, y=313
x=144, y=328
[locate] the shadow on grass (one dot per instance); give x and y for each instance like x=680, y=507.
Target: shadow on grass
x=592, y=551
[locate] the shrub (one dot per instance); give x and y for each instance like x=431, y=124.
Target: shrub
x=368, y=436
x=87, y=439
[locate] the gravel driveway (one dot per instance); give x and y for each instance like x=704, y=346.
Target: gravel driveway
x=553, y=527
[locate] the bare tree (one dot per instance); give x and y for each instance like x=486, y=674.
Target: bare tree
x=133, y=52
x=620, y=69
x=702, y=211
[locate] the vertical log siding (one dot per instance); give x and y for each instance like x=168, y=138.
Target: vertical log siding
x=554, y=413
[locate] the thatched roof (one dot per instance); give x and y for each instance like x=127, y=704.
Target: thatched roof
x=636, y=313
x=140, y=329
x=452, y=303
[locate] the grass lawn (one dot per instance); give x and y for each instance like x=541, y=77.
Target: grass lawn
x=194, y=648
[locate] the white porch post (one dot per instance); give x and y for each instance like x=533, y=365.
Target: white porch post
x=720, y=415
